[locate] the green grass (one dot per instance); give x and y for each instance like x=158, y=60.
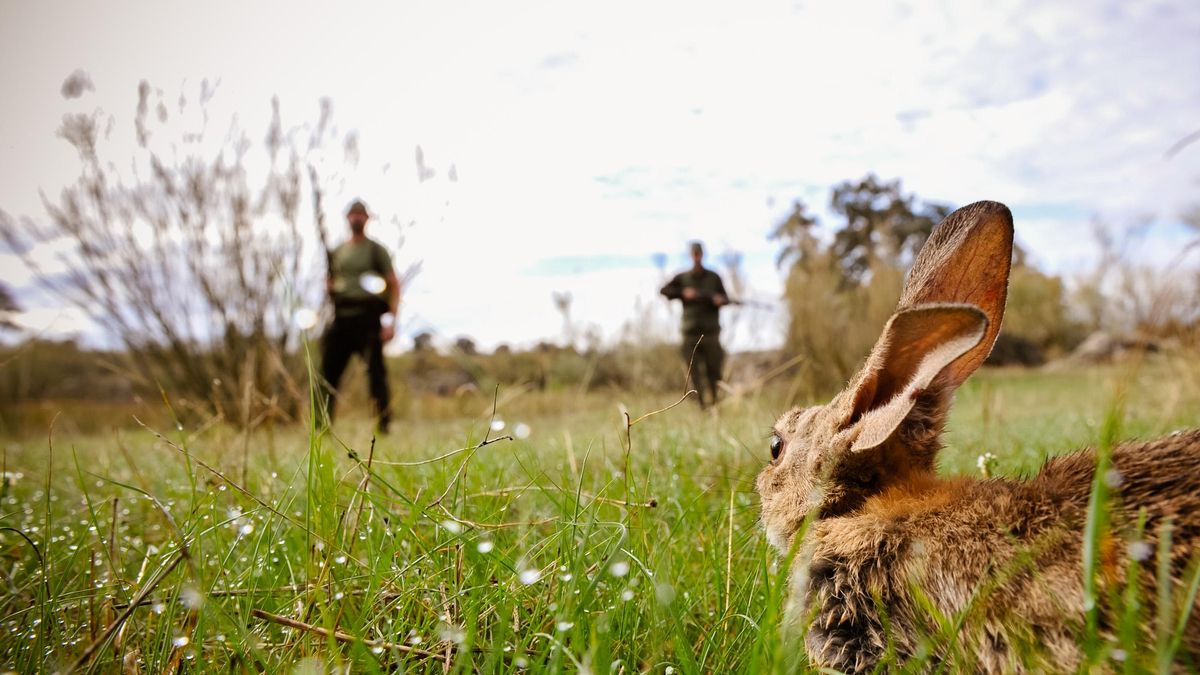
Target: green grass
x=565, y=550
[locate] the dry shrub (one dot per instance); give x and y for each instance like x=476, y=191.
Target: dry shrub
x=833, y=324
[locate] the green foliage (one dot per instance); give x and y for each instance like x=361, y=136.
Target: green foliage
x=840, y=291
x=560, y=552
x=832, y=326
x=881, y=224
x=1037, y=311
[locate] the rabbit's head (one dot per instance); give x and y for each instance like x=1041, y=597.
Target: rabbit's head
x=883, y=431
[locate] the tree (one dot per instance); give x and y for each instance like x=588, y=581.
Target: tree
x=796, y=233
x=465, y=346
x=881, y=224
x=190, y=258
x=840, y=291
x=423, y=342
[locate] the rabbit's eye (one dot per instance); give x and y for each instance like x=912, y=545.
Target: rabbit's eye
x=776, y=446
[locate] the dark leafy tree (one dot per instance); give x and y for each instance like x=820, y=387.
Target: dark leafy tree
x=882, y=224
x=796, y=232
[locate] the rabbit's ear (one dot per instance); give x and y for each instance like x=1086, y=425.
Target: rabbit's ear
x=914, y=355
x=966, y=260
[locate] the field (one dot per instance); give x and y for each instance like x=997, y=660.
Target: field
x=578, y=545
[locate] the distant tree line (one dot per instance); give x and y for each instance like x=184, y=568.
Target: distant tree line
x=843, y=281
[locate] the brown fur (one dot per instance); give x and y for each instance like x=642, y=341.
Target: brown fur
x=887, y=535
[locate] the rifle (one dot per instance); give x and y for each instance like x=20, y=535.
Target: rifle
x=753, y=304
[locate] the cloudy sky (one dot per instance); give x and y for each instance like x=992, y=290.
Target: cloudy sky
x=588, y=138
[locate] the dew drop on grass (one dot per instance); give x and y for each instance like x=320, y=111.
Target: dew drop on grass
x=498, y=424
x=619, y=568
x=181, y=641
x=521, y=430
x=485, y=546
x=451, y=526
x=626, y=595
x=450, y=633
x=665, y=593
x=529, y=576
x=564, y=626
x=191, y=598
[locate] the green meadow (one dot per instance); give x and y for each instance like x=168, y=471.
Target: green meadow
x=538, y=532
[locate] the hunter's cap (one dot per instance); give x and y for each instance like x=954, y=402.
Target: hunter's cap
x=357, y=206
x=696, y=247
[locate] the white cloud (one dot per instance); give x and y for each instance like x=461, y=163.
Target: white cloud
x=627, y=128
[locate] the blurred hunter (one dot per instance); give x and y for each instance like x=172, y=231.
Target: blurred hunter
x=702, y=294
x=365, y=292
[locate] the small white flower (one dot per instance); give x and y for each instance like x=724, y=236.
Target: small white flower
x=986, y=464
x=1140, y=551
x=191, y=597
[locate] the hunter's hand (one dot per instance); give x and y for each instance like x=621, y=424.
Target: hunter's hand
x=720, y=300
x=688, y=294
x=386, y=333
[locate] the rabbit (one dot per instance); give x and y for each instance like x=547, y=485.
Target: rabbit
x=887, y=538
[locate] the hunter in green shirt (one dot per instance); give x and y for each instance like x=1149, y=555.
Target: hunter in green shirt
x=359, y=271
x=365, y=294
x=703, y=295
